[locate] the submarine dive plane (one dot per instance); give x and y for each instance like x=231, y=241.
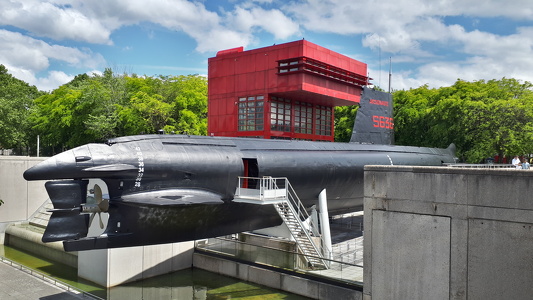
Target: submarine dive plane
x=172, y=188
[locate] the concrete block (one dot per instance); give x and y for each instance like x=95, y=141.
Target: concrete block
x=489, y=190
x=488, y=239
x=417, y=246
x=182, y=255
x=157, y=260
x=367, y=243
x=328, y=291
x=18, y=236
x=265, y=277
x=243, y=271
x=458, y=258
x=499, y=213
x=206, y=262
x=124, y=265
x=447, y=188
x=3, y=227
x=93, y=264
x=34, y=245
x=500, y=263
x=21, y=198
x=147, y=292
x=110, y=267
x=300, y=286
x=228, y=268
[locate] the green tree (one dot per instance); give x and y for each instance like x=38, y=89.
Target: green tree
x=412, y=115
x=53, y=118
x=104, y=94
x=146, y=114
x=482, y=118
x=16, y=100
x=344, y=121
x=189, y=97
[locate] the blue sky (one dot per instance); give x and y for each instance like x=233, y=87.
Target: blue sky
x=48, y=42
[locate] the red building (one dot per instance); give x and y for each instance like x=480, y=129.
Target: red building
x=285, y=91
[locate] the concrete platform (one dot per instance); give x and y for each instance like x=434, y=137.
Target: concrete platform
x=19, y=284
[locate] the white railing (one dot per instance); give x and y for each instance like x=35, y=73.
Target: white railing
x=264, y=189
x=272, y=190
x=58, y=283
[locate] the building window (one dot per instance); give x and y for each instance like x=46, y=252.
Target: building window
x=280, y=114
x=318, y=68
x=285, y=114
x=323, y=120
x=303, y=117
x=251, y=113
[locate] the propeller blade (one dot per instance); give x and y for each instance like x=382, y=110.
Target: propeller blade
x=97, y=194
x=91, y=219
x=101, y=223
x=104, y=205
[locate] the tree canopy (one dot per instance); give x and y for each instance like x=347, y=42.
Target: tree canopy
x=483, y=118
x=95, y=108
x=16, y=100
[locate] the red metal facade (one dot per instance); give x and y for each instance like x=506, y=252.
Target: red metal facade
x=283, y=91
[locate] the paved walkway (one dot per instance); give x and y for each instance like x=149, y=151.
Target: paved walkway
x=17, y=284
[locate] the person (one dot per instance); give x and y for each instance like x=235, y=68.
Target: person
x=516, y=162
x=525, y=164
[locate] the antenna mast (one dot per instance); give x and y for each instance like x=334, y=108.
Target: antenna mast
x=390, y=71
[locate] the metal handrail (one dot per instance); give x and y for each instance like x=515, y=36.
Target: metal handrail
x=213, y=245
x=295, y=204
x=301, y=211
x=49, y=279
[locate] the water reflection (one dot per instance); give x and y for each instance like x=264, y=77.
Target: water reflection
x=193, y=283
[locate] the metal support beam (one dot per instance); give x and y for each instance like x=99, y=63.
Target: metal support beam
x=324, y=223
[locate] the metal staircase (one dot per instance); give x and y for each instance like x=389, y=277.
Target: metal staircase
x=279, y=192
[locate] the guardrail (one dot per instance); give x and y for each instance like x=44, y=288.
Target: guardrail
x=276, y=190
x=482, y=166
x=49, y=279
x=227, y=246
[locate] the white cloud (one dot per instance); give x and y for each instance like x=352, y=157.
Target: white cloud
x=48, y=83
x=415, y=31
x=24, y=57
x=412, y=31
x=53, y=80
x=34, y=54
x=47, y=20
x=272, y=21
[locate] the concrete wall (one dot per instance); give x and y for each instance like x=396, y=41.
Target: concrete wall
x=29, y=240
x=111, y=267
x=21, y=198
x=448, y=233
x=276, y=280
